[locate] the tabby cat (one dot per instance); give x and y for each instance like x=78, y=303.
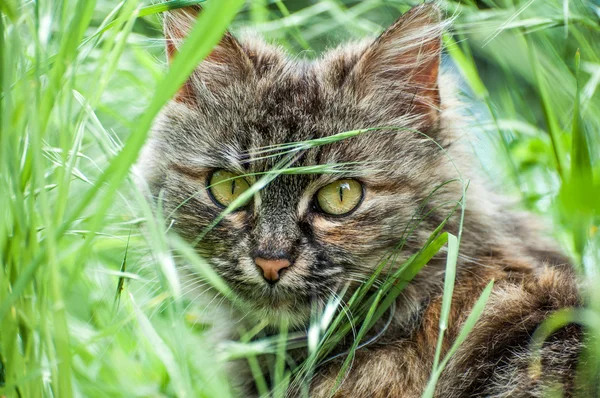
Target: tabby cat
x=304, y=236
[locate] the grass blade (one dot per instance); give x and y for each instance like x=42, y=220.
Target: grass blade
x=447, y=296
x=468, y=326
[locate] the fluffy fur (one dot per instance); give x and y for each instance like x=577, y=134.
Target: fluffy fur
x=248, y=95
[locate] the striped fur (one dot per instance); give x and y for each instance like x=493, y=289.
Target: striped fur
x=248, y=95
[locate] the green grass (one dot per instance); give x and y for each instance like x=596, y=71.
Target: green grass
x=92, y=306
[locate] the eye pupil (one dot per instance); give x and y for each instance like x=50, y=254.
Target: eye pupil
x=224, y=187
x=339, y=197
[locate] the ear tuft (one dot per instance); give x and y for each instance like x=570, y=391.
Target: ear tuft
x=177, y=24
x=403, y=63
x=226, y=61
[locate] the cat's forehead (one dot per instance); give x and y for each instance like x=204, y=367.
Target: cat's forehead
x=238, y=118
x=243, y=127
x=288, y=104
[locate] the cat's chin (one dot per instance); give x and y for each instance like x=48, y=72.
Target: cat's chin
x=276, y=306
x=294, y=318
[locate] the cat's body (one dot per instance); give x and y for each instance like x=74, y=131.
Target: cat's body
x=494, y=361
x=247, y=96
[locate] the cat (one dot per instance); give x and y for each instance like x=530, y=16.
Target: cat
x=303, y=236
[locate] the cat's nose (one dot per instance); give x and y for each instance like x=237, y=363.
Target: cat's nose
x=271, y=268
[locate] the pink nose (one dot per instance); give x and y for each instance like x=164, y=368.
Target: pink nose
x=271, y=268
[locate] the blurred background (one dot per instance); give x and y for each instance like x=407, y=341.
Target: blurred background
x=90, y=306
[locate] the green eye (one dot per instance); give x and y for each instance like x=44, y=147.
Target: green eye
x=340, y=197
x=225, y=187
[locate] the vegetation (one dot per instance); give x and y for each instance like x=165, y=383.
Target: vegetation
x=90, y=303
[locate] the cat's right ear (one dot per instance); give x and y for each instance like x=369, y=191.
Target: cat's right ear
x=227, y=60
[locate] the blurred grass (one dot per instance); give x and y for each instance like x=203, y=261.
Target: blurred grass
x=81, y=82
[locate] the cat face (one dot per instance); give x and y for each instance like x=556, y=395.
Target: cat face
x=283, y=250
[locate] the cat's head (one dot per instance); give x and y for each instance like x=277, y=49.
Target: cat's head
x=304, y=235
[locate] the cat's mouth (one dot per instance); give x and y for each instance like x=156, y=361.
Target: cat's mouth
x=294, y=295
x=274, y=296
x=275, y=303
x=278, y=297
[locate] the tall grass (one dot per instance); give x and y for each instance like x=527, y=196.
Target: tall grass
x=91, y=306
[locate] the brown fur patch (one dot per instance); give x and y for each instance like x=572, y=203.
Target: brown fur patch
x=247, y=96
x=518, y=305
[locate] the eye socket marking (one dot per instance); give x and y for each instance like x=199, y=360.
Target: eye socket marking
x=224, y=187
x=340, y=197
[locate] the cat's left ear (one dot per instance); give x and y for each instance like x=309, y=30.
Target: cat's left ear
x=227, y=60
x=402, y=66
